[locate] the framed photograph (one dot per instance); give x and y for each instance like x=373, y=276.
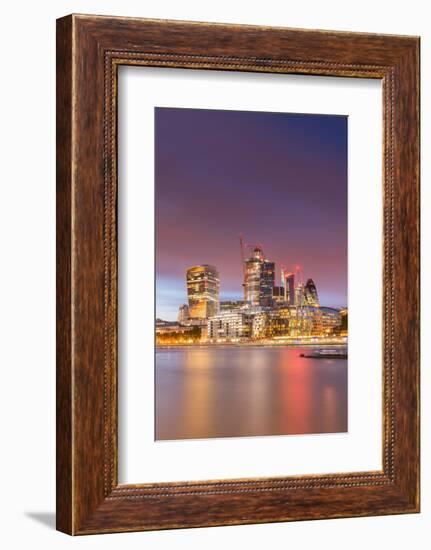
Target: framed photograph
x=237, y=274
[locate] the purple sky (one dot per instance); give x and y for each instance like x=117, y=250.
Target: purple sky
x=279, y=179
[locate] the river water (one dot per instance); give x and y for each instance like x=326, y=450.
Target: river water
x=235, y=391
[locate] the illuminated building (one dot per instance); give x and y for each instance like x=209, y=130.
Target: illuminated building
x=299, y=294
x=259, y=326
x=331, y=319
x=171, y=333
x=267, y=283
x=288, y=282
x=286, y=292
x=229, y=325
x=278, y=323
x=232, y=304
x=258, y=279
x=295, y=321
x=269, y=324
x=303, y=321
x=344, y=320
x=310, y=294
x=203, y=287
x=253, y=268
x=278, y=294
x=183, y=314
x=172, y=328
x=268, y=312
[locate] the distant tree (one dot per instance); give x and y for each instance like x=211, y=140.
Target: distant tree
x=193, y=334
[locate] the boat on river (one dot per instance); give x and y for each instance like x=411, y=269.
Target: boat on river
x=325, y=354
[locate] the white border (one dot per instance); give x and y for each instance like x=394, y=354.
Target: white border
x=141, y=459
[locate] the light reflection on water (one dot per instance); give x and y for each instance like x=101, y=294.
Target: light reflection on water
x=231, y=391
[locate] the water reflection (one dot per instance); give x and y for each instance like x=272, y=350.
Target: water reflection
x=204, y=392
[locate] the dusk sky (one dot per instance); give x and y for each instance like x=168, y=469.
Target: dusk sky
x=280, y=179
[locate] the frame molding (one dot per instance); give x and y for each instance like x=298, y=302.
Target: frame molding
x=89, y=51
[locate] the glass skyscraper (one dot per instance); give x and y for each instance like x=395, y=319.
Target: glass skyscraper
x=289, y=287
x=310, y=293
x=203, y=289
x=259, y=279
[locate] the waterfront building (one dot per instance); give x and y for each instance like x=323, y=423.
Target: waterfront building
x=278, y=323
x=259, y=279
x=232, y=304
x=183, y=314
x=310, y=294
x=171, y=327
x=331, y=319
x=174, y=333
x=230, y=325
x=283, y=321
x=304, y=321
x=294, y=321
x=272, y=323
x=203, y=289
x=344, y=320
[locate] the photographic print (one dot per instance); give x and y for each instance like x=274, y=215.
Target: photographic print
x=237, y=234
x=251, y=320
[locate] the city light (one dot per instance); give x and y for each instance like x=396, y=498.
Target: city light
x=269, y=314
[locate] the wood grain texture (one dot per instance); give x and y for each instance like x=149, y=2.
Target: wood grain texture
x=64, y=497
x=90, y=49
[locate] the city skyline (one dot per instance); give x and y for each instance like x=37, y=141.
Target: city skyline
x=281, y=179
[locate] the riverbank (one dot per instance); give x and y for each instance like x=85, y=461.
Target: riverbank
x=261, y=343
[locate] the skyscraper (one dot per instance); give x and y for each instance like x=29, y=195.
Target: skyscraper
x=183, y=314
x=258, y=279
x=252, y=277
x=310, y=294
x=278, y=294
x=267, y=277
x=203, y=288
x=299, y=294
x=288, y=281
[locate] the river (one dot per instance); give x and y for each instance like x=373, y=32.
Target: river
x=237, y=391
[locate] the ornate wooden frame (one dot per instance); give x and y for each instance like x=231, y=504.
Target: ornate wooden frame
x=89, y=51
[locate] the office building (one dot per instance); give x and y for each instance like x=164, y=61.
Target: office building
x=183, y=314
x=232, y=304
x=288, y=282
x=299, y=295
x=230, y=325
x=259, y=279
x=278, y=295
x=203, y=289
x=331, y=319
x=310, y=294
